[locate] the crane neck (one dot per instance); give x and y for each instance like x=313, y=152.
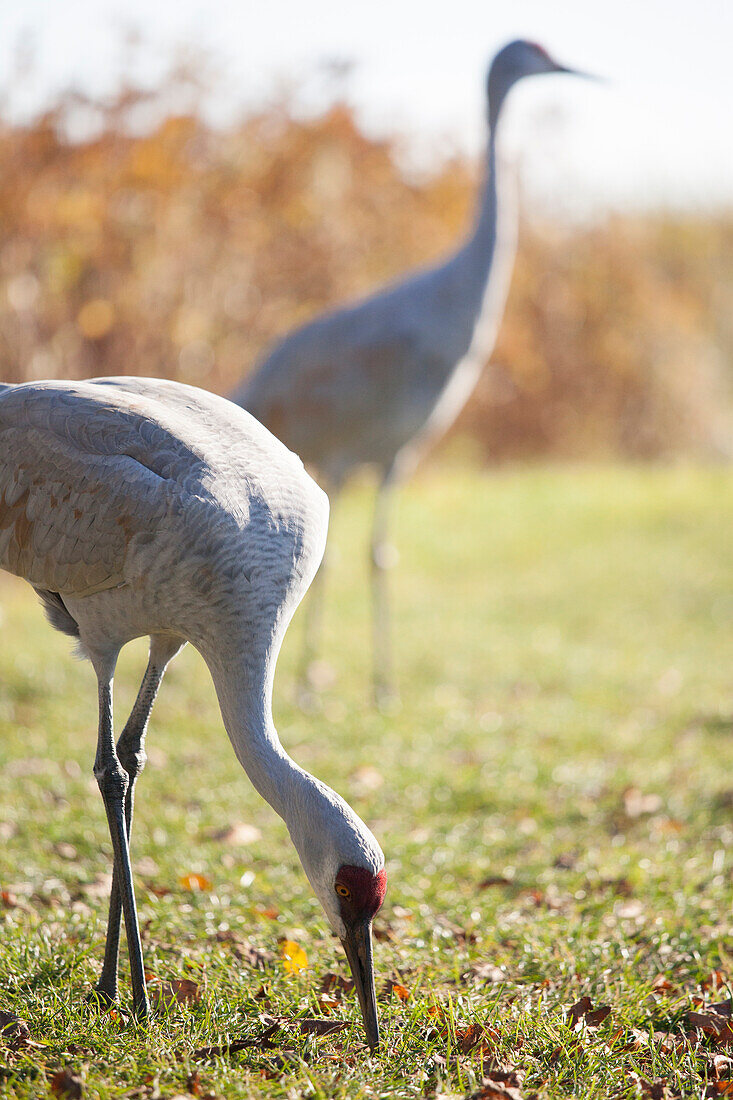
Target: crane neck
x=484, y=233
x=245, y=701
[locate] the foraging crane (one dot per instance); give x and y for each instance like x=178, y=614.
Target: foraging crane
x=143, y=507
x=374, y=383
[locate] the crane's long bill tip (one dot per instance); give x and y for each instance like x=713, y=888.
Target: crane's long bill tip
x=357, y=944
x=583, y=74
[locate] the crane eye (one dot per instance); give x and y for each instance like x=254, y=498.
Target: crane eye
x=343, y=891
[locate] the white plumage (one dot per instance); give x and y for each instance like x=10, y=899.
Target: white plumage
x=144, y=507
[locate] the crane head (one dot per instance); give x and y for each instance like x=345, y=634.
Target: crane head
x=361, y=893
x=345, y=866
x=516, y=60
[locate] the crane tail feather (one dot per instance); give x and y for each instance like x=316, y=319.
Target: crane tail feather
x=57, y=613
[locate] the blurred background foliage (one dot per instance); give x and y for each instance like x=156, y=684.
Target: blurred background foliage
x=183, y=250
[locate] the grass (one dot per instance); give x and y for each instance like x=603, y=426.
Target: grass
x=554, y=798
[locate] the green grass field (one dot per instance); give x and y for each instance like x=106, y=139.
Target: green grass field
x=554, y=798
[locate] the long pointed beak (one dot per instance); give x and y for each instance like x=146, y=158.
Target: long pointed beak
x=580, y=72
x=357, y=944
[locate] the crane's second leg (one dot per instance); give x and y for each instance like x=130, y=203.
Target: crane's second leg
x=132, y=757
x=384, y=693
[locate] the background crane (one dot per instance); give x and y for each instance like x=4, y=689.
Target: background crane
x=375, y=383
x=142, y=507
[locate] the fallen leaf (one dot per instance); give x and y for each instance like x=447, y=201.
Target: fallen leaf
x=158, y=891
x=500, y=1083
x=257, y=957
x=294, y=957
x=390, y=987
x=628, y=910
x=13, y=1031
x=637, y=804
x=596, y=1016
x=262, y=1042
x=240, y=833
x=652, y=1090
x=469, y=1037
x=494, y=880
x=715, y=980
x=662, y=985
x=268, y=912
x=721, y=1064
x=65, y=850
x=619, y=886
x=67, y=1083
x=182, y=990
x=487, y=972
x=336, y=984
x=195, y=882
x=719, y=1088
x=584, y=1011
x=316, y=1026
x=715, y=1024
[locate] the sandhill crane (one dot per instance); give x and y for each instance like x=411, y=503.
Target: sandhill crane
x=374, y=383
x=138, y=507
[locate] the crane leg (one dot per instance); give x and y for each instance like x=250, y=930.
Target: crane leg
x=383, y=690
x=130, y=754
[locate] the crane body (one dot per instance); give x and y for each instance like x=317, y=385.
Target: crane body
x=375, y=383
x=143, y=507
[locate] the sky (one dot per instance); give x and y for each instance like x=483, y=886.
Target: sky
x=656, y=131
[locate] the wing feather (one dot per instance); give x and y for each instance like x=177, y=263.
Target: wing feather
x=71, y=511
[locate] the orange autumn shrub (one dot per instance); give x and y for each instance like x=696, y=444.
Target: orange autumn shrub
x=185, y=250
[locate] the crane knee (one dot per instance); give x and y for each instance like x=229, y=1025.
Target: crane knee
x=112, y=780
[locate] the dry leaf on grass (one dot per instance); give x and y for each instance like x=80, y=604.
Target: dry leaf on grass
x=314, y=1025
x=638, y=804
x=716, y=1022
x=66, y=1083
x=469, y=1037
x=180, y=990
x=391, y=986
x=293, y=956
x=657, y=1089
x=13, y=1030
x=195, y=882
x=663, y=987
x=257, y=957
x=721, y=1065
x=269, y=912
x=336, y=985
x=495, y=880
x=719, y=1088
x=262, y=1042
x=717, y=979
x=485, y=972
x=239, y=833
x=383, y=931
x=582, y=1013
x=500, y=1083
